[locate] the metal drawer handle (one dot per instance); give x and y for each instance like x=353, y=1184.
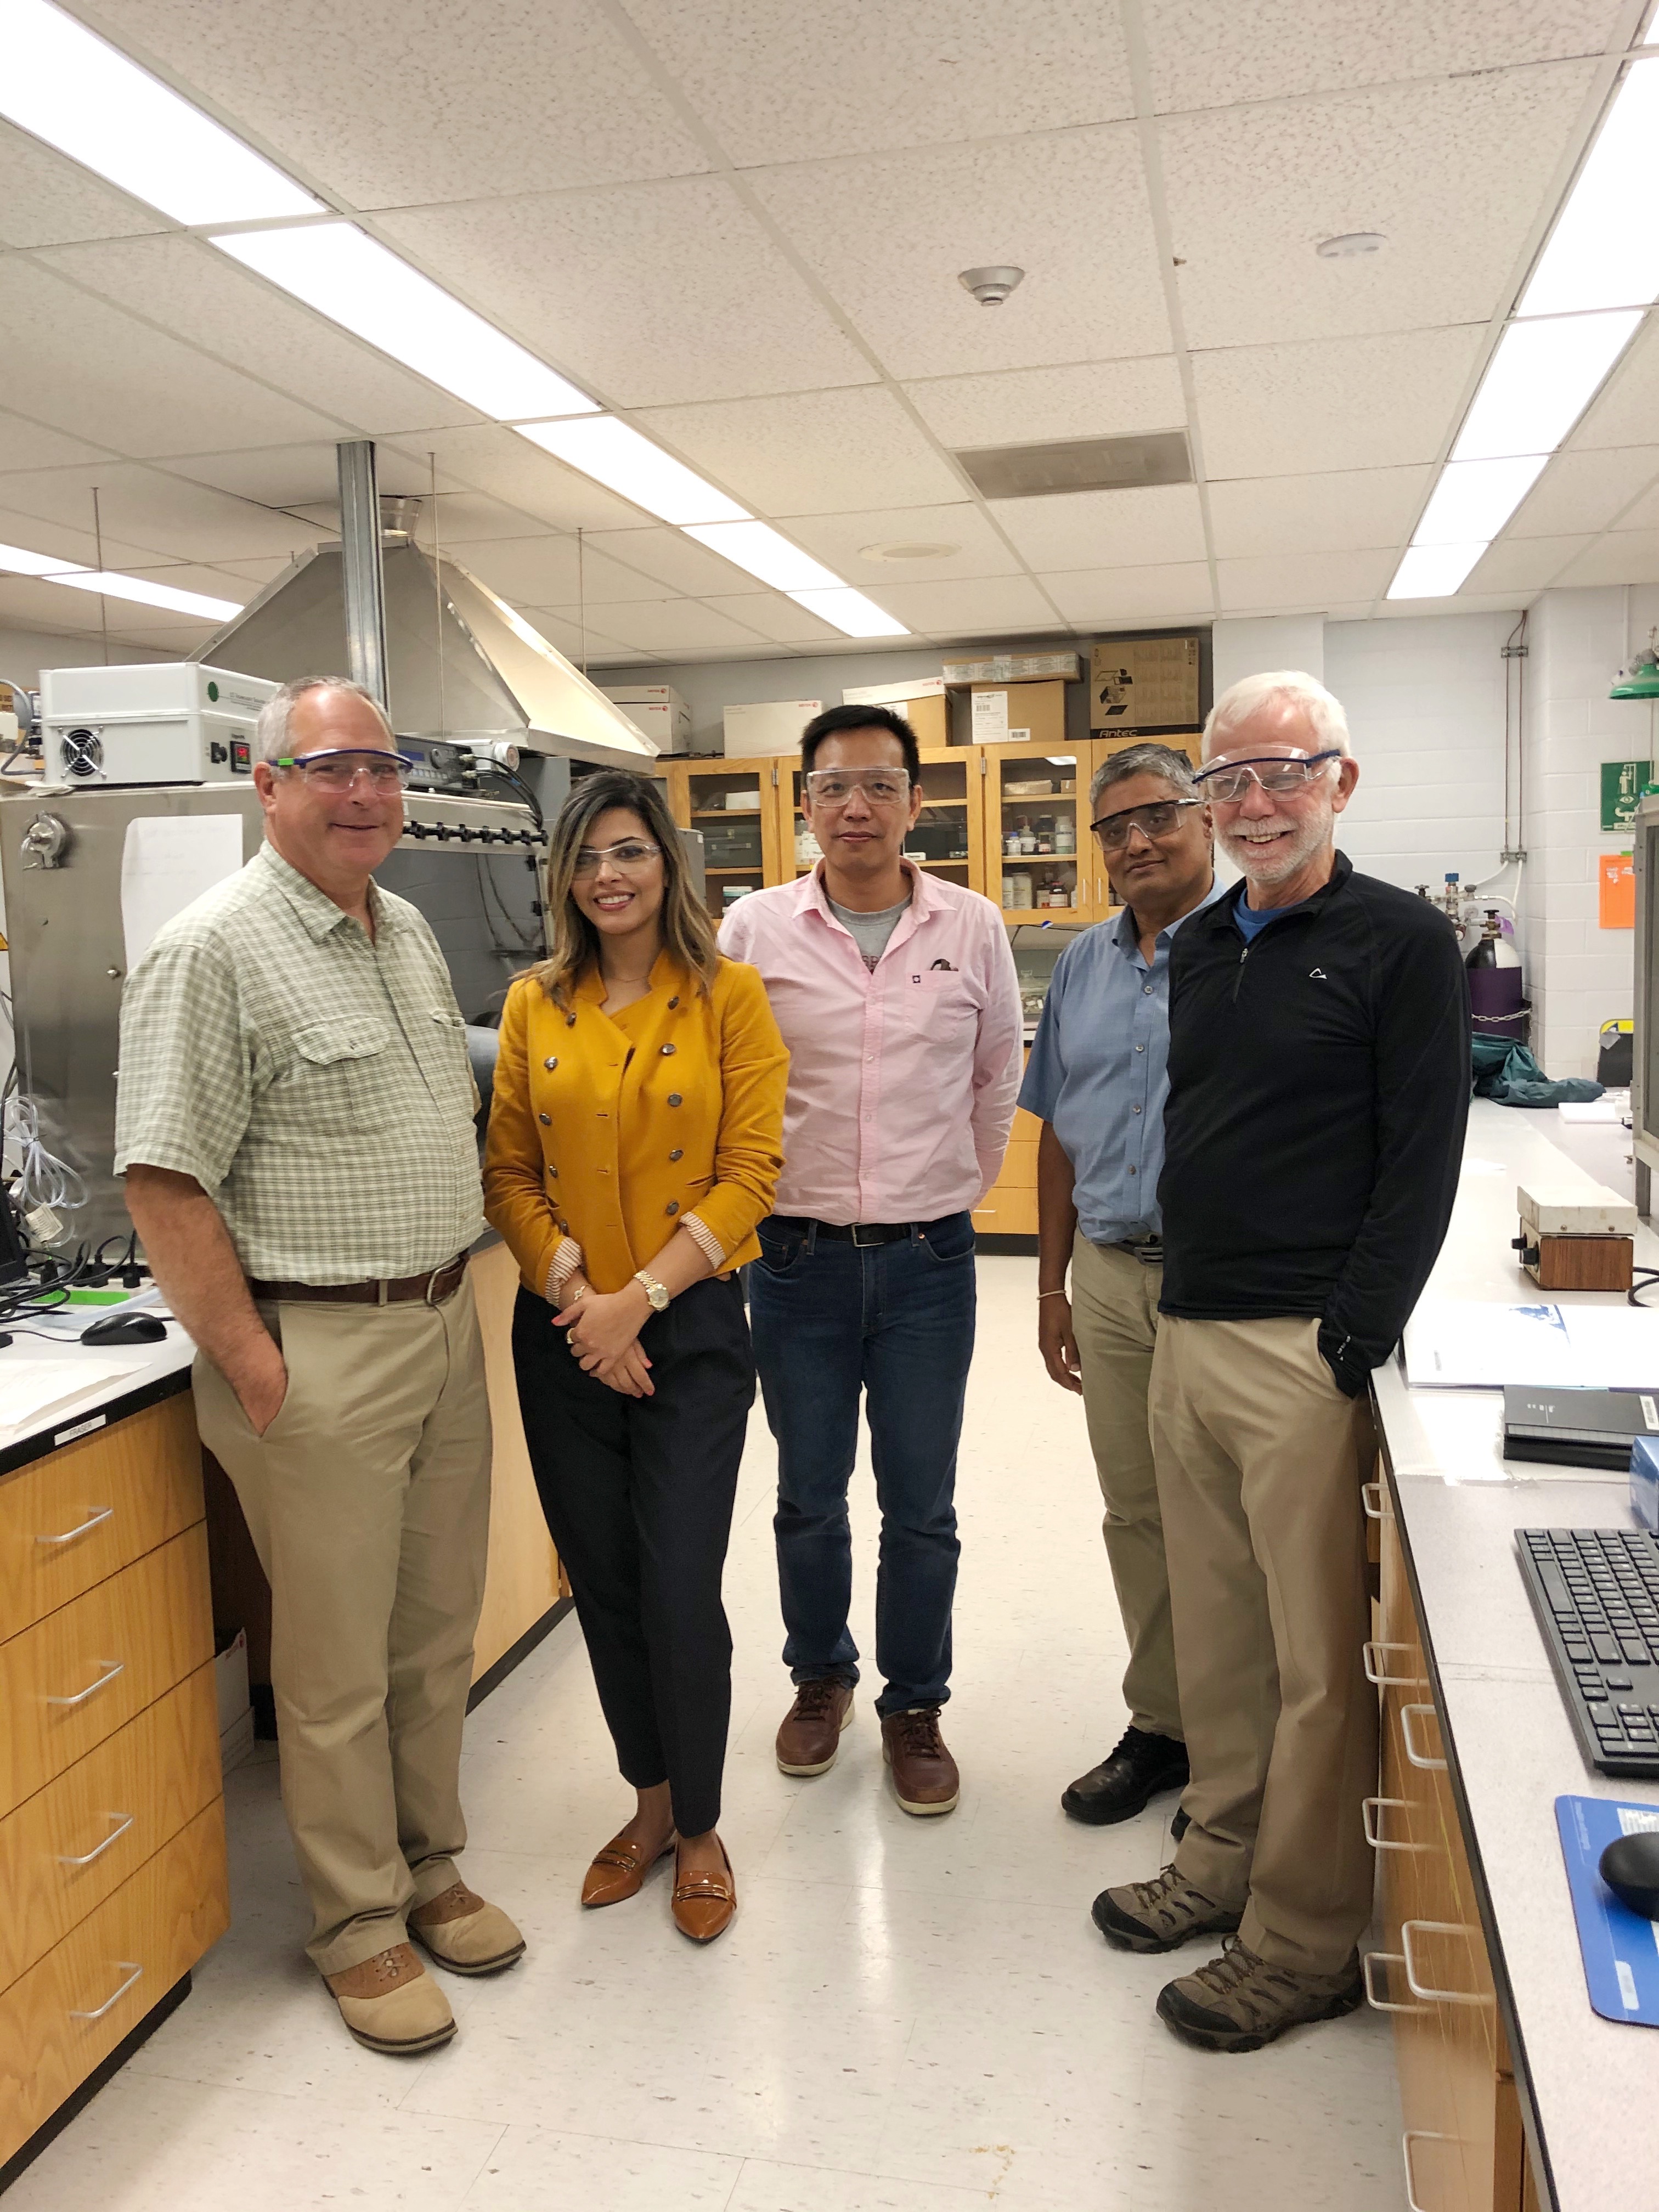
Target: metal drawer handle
x=1377, y=1666
x=113, y=1837
x=1412, y=2136
x=1370, y=1496
x=1417, y=1989
x=1416, y=1757
x=1371, y=1812
x=112, y=1668
x=104, y=1513
x=133, y=1971
x=1382, y=2004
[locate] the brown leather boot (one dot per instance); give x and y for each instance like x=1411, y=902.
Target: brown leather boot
x=465, y=1933
x=924, y=1776
x=811, y=1734
x=390, y=2003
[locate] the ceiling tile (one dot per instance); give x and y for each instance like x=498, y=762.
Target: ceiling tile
x=1212, y=53
x=1523, y=564
x=300, y=476
x=396, y=105
x=1252, y=191
x=649, y=293
x=1153, y=523
x=569, y=637
x=840, y=540
x=197, y=577
x=97, y=373
x=775, y=617
x=510, y=469
x=1018, y=406
x=888, y=234
x=1643, y=514
x=1088, y=597
x=670, y=626
x=1623, y=556
x=981, y=603
x=183, y=285
x=1335, y=403
x=70, y=541
x=27, y=604
x=24, y=445
x=1625, y=413
x=809, y=453
x=44, y=198
x=1586, y=491
x=673, y=558
x=1271, y=582
x=153, y=509
x=542, y=572
x=780, y=82
x=1346, y=510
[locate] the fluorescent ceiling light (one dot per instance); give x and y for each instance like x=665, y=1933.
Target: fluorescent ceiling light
x=149, y=595
x=1474, y=499
x=1539, y=381
x=66, y=86
x=357, y=283
x=850, y=612
x=1604, y=250
x=764, y=552
x=1434, y=571
x=18, y=562
x=617, y=455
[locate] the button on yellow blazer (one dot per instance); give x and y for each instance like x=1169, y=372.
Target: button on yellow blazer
x=610, y=1128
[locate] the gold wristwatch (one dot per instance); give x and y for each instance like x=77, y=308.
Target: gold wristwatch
x=656, y=1291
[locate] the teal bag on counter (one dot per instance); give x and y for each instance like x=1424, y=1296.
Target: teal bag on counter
x=1507, y=1072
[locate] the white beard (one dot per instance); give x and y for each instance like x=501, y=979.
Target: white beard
x=1274, y=859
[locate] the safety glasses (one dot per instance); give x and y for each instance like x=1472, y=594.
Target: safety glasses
x=1273, y=772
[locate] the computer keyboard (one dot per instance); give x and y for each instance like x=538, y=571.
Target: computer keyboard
x=1595, y=1592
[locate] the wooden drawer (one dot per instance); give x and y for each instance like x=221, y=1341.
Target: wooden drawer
x=115, y=1651
x=1007, y=1212
x=83, y=1513
x=1027, y=1128
x=111, y=1811
x=1018, y=1172
x=69, y=2012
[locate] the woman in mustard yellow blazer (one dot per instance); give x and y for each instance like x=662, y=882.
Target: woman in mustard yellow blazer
x=635, y=1135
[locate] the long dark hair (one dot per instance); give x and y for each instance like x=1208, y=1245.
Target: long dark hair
x=687, y=931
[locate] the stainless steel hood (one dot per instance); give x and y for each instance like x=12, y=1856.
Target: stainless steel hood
x=463, y=663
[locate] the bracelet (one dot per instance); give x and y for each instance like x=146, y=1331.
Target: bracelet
x=1049, y=1294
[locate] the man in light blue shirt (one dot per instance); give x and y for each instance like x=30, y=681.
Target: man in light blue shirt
x=1097, y=1079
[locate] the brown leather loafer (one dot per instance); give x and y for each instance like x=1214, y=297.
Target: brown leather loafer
x=465, y=1933
x=702, y=1904
x=392, y=2004
x=812, y=1731
x=924, y=1776
x=619, y=1870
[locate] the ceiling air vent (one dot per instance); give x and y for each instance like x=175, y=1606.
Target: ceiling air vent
x=1079, y=465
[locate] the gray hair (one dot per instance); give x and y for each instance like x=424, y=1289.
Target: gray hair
x=270, y=730
x=1293, y=688
x=1175, y=769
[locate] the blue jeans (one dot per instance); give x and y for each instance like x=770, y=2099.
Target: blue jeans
x=896, y=1321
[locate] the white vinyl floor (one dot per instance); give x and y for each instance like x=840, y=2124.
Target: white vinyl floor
x=914, y=2015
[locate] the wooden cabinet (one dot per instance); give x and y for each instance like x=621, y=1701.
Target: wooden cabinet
x=1042, y=801
x=735, y=802
x=112, y=1876
x=947, y=839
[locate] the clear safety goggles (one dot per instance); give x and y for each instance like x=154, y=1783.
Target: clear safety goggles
x=1273, y=772
x=338, y=768
x=834, y=787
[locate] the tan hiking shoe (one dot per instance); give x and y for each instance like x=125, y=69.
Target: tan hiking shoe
x=810, y=1736
x=1161, y=1915
x=1238, y=2001
x=390, y=2003
x=924, y=1776
x=465, y=1933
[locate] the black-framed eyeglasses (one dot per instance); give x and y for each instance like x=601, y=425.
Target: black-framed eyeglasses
x=338, y=767
x=1156, y=820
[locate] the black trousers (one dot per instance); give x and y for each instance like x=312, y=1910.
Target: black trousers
x=638, y=1495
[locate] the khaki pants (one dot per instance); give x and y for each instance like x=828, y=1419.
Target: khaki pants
x=367, y=1499
x=1114, y=1320
x=1260, y=1461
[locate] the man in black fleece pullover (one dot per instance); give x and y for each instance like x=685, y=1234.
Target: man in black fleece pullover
x=1319, y=1083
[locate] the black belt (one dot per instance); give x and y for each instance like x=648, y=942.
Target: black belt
x=1149, y=1250
x=855, y=1232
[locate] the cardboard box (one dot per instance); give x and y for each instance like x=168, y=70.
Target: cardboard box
x=1144, y=685
x=657, y=711
x=1015, y=668
x=1019, y=713
x=923, y=702
x=767, y=727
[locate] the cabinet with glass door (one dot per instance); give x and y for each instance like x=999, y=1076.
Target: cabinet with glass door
x=733, y=803
x=1037, y=850
x=947, y=838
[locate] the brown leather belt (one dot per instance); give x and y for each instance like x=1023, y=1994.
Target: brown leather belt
x=430, y=1290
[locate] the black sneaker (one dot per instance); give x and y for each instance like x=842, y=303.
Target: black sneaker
x=1140, y=1768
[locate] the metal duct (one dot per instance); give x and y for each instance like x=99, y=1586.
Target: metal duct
x=365, y=586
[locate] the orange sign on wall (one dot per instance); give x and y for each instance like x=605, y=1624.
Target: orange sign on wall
x=1618, y=902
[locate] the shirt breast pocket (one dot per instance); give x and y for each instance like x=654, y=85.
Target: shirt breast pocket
x=338, y=1083
x=941, y=1003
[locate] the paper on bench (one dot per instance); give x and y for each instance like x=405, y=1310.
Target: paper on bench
x=32, y=1390
x=1463, y=1344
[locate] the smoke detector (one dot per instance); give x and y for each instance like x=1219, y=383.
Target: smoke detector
x=990, y=287
x=908, y=549
x=1351, y=244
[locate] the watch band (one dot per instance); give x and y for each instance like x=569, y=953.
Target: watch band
x=656, y=1291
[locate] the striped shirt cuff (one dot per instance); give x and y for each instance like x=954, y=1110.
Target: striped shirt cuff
x=567, y=1261
x=703, y=1235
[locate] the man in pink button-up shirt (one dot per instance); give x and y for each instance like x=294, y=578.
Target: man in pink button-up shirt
x=896, y=993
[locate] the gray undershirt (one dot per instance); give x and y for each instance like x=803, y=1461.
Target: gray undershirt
x=871, y=932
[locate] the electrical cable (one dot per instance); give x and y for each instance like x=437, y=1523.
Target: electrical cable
x=43, y=1180
x=1642, y=1278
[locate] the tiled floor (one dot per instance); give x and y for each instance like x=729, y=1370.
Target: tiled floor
x=908, y=2015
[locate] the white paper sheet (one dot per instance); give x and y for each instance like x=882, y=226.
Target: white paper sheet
x=30, y=1390
x=167, y=860
x=1463, y=1345
x=990, y=718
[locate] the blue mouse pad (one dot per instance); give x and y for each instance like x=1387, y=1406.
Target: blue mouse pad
x=1620, y=1949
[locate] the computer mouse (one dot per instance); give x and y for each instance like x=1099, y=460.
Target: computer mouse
x=125, y=1328
x=1630, y=1867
